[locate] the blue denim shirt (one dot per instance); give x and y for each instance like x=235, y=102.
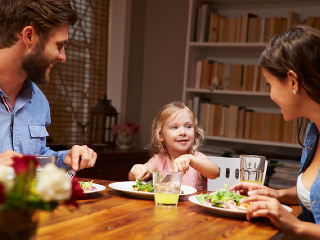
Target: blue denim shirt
x=24, y=131
x=310, y=144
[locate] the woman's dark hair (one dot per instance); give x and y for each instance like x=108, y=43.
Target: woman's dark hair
x=43, y=15
x=297, y=49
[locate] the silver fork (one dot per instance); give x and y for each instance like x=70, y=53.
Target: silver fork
x=70, y=174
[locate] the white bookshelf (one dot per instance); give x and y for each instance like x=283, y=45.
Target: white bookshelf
x=240, y=53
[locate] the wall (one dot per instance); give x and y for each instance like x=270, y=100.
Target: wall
x=163, y=60
x=147, y=41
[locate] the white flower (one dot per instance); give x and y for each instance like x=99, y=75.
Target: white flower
x=7, y=177
x=53, y=184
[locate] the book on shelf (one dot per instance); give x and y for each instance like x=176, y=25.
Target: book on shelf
x=248, y=77
x=248, y=123
x=273, y=127
x=241, y=122
x=254, y=26
x=233, y=27
x=217, y=119
x=285, y=163
x=235, y=80
x=293, y=170
x=214, y=27
x=284, y=176
x=197, y=73
x=202, y=22
x=231, y=121
x=292, y=18
x=273, y=26
x=244, y=25
x=257, y=125
x=280, y=184
x=205, y=74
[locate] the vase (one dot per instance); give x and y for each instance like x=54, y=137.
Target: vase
x=18, y=224
x=124, y=142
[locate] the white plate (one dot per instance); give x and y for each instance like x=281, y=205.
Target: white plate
x=126, y=187
x=225, y=212
x=98, y=187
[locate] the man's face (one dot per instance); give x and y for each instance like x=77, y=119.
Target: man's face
x=39, y=62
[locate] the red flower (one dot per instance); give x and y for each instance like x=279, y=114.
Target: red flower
x=24, y=164
x=77, y=193
x=2, y=195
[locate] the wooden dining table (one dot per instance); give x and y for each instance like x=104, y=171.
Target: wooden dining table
x=112, y=214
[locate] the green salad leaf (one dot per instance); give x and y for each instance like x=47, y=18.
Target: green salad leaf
x=142, y=186
x=219, y=197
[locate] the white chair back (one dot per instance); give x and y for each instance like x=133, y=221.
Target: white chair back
x=229, y=172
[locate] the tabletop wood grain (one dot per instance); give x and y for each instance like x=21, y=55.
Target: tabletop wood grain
x=110, y=214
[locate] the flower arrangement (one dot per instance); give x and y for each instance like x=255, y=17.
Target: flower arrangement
x=125, y=129
x=24, y=189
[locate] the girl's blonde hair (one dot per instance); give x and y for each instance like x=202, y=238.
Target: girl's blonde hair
x=156, y=145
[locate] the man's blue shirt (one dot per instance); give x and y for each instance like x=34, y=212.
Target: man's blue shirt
x=24, y=131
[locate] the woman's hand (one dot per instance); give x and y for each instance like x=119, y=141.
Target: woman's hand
x=249, y=189
x=263, y=206
x=139, y=171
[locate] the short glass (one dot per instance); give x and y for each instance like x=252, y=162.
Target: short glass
x=166, y=187
x=252, y=168
x=45, y=159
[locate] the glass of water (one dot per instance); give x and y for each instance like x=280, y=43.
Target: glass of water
x=252, y=168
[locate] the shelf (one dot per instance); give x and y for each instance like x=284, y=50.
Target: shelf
x=228, y=92
x=229, y=45
x=255, y=142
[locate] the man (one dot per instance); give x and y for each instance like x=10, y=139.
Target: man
x=33, y=36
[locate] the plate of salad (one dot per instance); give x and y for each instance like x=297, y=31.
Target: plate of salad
x=143, y=189
x=90, y=187
x=223, y=202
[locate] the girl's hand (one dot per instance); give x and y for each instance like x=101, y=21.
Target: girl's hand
x=250, y=189
x=140, y=171
x=263, y=206
x=182, y=163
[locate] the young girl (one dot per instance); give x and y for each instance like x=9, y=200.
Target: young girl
x=176, y=137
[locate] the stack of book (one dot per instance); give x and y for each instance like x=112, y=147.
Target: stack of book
x=210, y=74
x=284, y=174
x=212, y=26
x=241, y=122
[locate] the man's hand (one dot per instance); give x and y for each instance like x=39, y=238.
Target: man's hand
x=80, y=157
x=6, y=157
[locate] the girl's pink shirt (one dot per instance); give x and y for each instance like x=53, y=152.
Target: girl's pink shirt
x=191, y=178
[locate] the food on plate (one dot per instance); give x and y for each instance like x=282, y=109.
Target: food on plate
x=145, y=187
x=223, y=199
x=142, y=186
x=87, y=186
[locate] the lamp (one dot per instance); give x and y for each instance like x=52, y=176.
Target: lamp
x=103, y=117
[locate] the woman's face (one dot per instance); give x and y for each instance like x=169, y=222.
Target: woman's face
x=281, y=92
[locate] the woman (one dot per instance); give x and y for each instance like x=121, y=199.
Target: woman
x=291, y=65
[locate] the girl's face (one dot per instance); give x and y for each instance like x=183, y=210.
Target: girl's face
x=281, y=92
x=178, y=132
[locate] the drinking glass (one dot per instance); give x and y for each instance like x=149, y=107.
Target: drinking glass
x=44, y=160
x=166, y=187
x=252, y=168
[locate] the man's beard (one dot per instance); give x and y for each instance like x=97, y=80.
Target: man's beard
x=35, y=65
